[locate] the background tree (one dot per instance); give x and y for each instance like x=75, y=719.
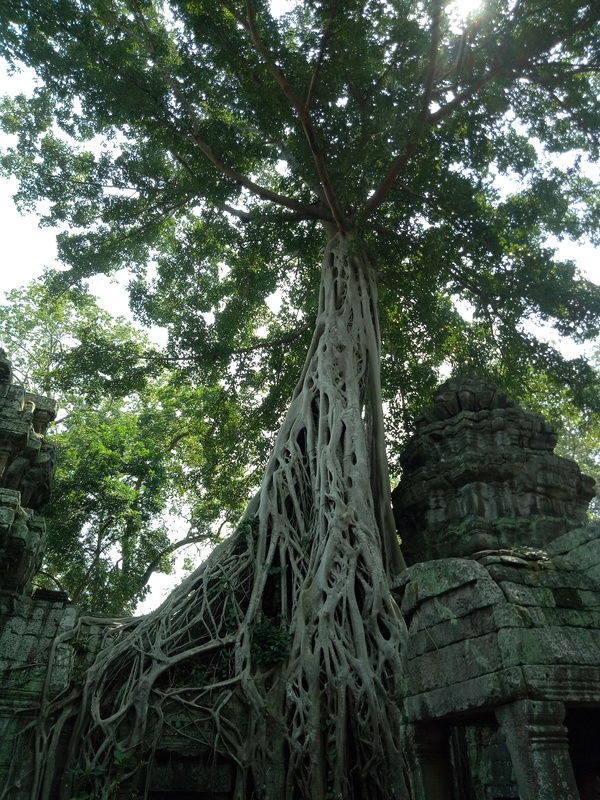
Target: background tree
x=233, y=149
x=578, y=428
x=136, y=450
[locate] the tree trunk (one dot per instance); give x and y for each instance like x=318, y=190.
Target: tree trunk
x=326, y=526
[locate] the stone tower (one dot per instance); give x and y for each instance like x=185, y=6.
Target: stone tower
x=502, y=605
x=27, y=466
x=481, y=473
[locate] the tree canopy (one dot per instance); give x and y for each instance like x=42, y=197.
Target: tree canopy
x=201, y=144
x=220, y=152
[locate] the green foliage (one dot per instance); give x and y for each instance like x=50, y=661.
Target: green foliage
x=65, y=343
x=110, y=494
x=270, y=642
x=578, y=428
x=135, y=448
x=153, y=191
x=120, y=758
x=198, y=679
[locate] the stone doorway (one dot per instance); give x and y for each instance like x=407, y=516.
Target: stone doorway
x=189, y=776
x=583, y=725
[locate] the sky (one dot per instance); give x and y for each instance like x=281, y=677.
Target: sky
x=28, y=249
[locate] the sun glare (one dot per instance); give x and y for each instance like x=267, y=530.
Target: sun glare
x=279, y=7
x=465, y=7
x=460, y=10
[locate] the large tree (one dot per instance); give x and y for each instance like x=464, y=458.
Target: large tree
x=233, y=151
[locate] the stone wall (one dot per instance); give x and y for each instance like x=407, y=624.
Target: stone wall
x=33, y=665
x=34, y=662
x=45, y=648
x=27, y=460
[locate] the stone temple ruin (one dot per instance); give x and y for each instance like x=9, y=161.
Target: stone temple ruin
x=502, y=604
x=501, y=600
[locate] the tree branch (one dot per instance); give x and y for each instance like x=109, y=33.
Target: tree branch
x=400, y=163
x=262, y=344
x=313, y=212
x=462, y=97
x=267, y=343
x=433, y=56
x=402, y=160
x=167, y=551
x=299, y=107
x=397, y=168
x=176, y=439
x=244, y=216
x=547, y=85
x=322, y=47
x=52, y=578
x=499, y=68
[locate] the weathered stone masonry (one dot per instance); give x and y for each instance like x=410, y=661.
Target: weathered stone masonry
x=502, y=604
x=28, y=627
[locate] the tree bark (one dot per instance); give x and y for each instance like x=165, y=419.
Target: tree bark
x=325, y=523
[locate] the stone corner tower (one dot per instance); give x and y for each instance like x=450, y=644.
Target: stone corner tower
x=481, y=473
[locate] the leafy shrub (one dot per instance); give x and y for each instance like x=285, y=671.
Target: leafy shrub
x=269, y=642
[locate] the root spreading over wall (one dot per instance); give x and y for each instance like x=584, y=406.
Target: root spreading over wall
x=283, y=651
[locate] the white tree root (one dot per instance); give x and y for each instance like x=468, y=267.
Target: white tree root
x=283, y=651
